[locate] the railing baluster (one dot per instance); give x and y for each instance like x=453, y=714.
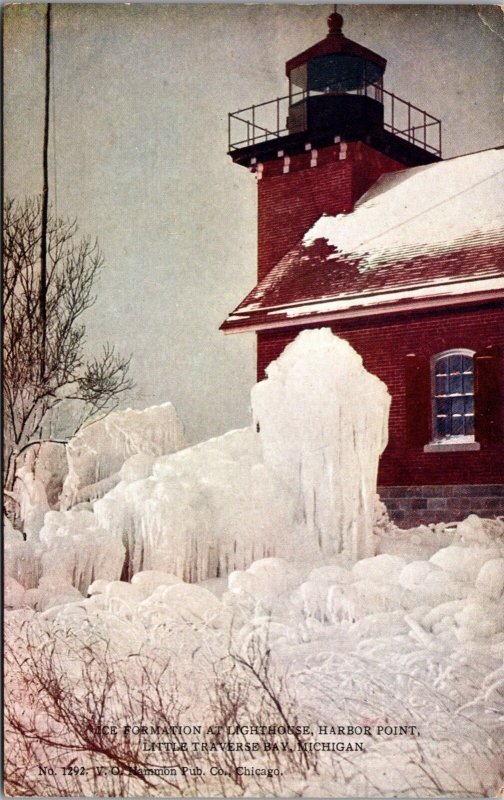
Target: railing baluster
x=253, y=124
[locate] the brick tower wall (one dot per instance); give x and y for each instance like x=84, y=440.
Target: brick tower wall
x=294, y=192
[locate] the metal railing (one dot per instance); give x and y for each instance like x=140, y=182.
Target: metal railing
x=266, y=121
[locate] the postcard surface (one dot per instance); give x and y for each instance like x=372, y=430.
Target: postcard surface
x=253, y=400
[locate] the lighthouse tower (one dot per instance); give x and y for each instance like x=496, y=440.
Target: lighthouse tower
x=319, y=148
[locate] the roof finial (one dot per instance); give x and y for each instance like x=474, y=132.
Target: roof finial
x=335, y=21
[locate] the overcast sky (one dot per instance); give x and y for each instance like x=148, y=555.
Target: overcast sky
x=141, y=95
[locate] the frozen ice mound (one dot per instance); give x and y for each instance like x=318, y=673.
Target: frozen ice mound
x=323, y=422
x=490, y=579
x=300, y=482
x=97, y=453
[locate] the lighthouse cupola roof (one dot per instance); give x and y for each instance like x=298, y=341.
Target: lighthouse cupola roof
x=335, y=64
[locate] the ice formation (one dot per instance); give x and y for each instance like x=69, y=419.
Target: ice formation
x=98, y=451
x=323, y=422
x=48, y=463
x=31, y=497
x=205, y=511
x=300, y=483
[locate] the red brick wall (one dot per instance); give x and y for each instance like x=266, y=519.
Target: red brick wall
x=290, y=203
x=383, y=344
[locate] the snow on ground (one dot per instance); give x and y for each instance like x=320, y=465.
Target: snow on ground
x=98, y=451
x=421, y=224
x=383, y=641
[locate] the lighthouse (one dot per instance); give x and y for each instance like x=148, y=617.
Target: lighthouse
x=364, y=228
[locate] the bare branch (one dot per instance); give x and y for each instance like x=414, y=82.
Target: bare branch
x=56, y=336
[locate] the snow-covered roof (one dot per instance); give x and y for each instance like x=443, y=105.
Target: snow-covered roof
x=433, y=233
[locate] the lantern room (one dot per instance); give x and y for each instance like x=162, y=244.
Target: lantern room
x=335, y=82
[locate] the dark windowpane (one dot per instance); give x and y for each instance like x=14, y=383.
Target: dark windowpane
x=457, y=406
x=455, y=364
x=441, y=384
x=455, y=385
x=468, y=405
x=443, y=405
x=468, y=383
x=441, y=430
x=457, y=426
x=469, y=426
x=467, y=363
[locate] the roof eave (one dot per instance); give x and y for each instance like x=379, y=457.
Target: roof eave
x=254, y=323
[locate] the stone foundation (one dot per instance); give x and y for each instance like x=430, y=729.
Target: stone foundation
x=409, y=506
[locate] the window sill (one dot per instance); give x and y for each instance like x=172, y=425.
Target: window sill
x=451, y=447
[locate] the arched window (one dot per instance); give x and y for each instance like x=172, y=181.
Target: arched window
x=453, y=396
x=454, y=400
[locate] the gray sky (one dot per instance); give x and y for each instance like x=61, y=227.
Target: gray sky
x=141, y=95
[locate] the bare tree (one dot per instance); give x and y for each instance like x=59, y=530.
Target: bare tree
x=53, y=336
x=59, y=739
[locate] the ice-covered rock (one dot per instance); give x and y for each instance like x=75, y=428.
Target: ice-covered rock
x=485, y=532
x=479, y=620
x=382, y=568
x=382, y=624
x=414, y=574
x=149, y=580
x=490, y=579
x=98, y=451
x=463, y=563
x=323, y=425
x=265, y=583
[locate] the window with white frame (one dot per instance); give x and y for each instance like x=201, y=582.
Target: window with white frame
x=453, y=396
